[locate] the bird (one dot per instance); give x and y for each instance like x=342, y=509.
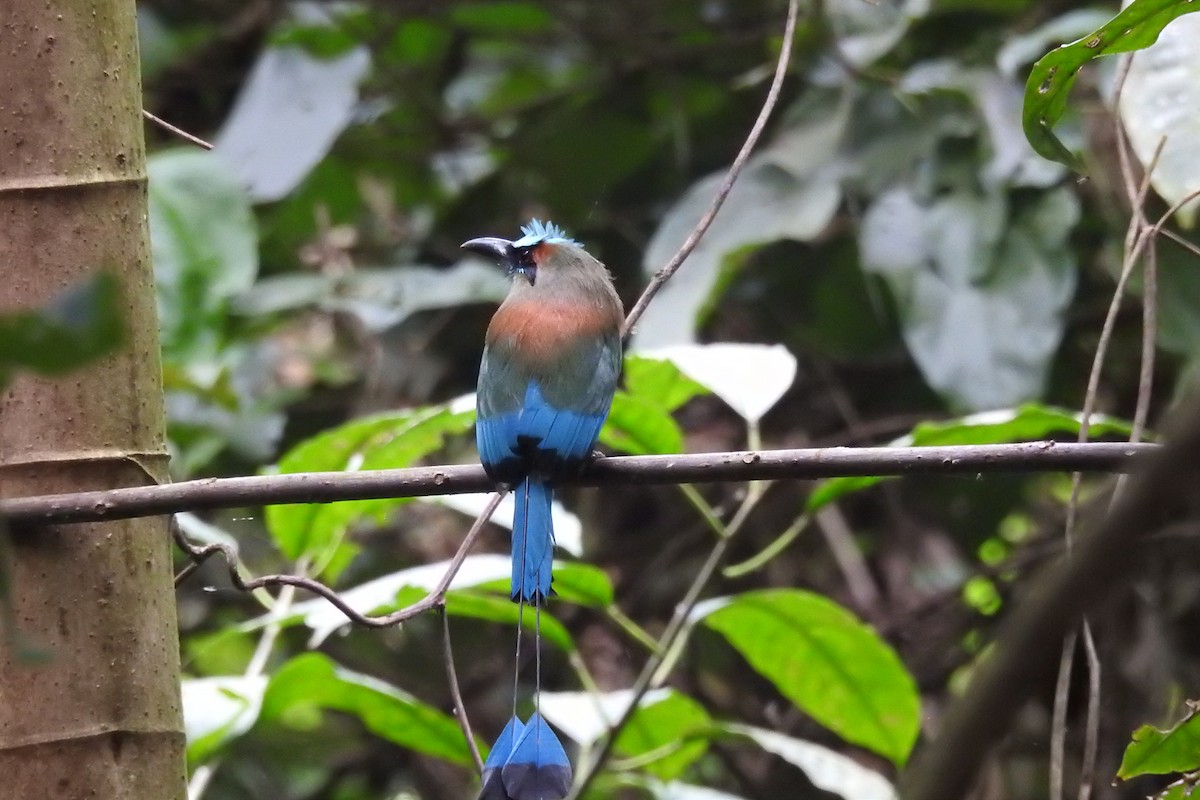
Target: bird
x=551, y=363
x=550, y=366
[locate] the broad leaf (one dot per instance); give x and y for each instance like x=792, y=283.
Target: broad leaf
x=964, y=266
x=312, y=682
x=295, y=96
x=672, y=728
x=1157, y=752
x=640, y=428
x=1026, y=423
x=575, y=582
x=659, y=382
x=1178, y=301
x=828, y=663
x=205, y=245
x=1050, y=81
x=389, y=440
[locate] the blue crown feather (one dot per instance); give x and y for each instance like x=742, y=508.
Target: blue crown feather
x=537, y=231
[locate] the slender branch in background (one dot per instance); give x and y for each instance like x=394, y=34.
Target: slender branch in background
x=1134, y=237
x=739, y=466
x=1138, y=235
x=180, y=132
x=667, y=649
x=735, y=169
x=460, y=708
x=1091, y=734
x=202, y=776
x=1058, y=724
x=1100, y=567
x=849, y=558
x=435, y=599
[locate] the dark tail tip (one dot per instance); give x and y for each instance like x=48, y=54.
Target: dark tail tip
x=538, y=768
x=533, y=598
x=493, y=784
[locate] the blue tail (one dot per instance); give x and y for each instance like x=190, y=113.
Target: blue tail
x=538, y=768
x=532, y=542
x=493, y=785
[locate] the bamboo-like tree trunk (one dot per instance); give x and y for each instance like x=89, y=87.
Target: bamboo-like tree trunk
x=100, y=716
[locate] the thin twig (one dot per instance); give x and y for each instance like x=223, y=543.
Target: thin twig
x=735, y=169
x=162, y=123
x=460, y=708
x=799, y=464
x=1134, y=242
x=645, y=679
x=670, y=644
x=849, y=558
x=202, y=776
x=1091, y=735
x=435, y=599
x=1058, y=724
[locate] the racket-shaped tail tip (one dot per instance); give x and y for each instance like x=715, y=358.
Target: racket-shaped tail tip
x=493, y=784
x=538, y=768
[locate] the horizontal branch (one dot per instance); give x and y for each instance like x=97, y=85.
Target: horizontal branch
x=811, y=463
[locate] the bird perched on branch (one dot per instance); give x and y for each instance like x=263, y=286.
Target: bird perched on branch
x=550, y=367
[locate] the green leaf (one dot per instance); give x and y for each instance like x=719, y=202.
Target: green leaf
x=640, y=428
x=81, y=324
x=659, y=382
x=1157, y=752
x=832, y=489
x=1051, y=79
x=502, y=17
x=1178, y=302
x=205, y=248
x=312, y=682
x=389, y=440
x=496, y=608
x=1182, y=789
x=574, y=582
x=671, y=727
x=1028, y=422
x=828, y=663
x=321, y=40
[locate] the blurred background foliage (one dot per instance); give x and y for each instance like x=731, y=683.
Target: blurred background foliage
x=926, y=273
